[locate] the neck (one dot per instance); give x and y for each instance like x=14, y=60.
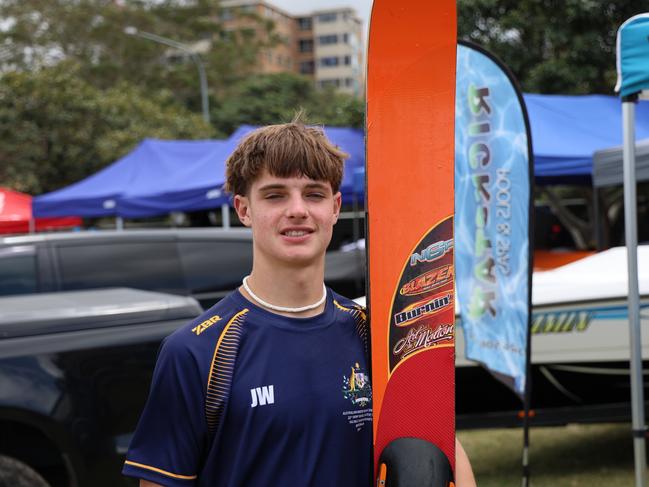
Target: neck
x=287, y=287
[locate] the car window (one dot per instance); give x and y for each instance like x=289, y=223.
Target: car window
x=141, y=265
x=215, y=266
x=18, y=274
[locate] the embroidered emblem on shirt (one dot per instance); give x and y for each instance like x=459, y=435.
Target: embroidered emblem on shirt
x=261, y=396
x=198, y=329
x=357, y=387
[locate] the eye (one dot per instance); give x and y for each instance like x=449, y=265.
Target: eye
x=316, y=195
x=272, y=196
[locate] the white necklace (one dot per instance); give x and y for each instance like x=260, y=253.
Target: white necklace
x=284, y=309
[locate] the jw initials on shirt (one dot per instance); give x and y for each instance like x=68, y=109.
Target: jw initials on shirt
x=262, y=395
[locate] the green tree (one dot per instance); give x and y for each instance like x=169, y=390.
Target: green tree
x=330, y=107
x=276, y=98
x=551, y=46
x=41, y=33
x=57, y=128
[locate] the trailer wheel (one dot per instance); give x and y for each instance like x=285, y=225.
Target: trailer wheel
x=14, y=473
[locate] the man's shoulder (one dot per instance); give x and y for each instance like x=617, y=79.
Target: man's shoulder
x=355, y=316
x=347, y=305
x=343, y=302
x=208, y=326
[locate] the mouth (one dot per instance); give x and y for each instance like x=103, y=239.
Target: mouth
x=292, y=232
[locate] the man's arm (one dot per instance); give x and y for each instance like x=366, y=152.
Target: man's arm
x=146, y=483
x=154, y=455
x=463, y=471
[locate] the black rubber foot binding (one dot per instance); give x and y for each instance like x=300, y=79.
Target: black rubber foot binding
x=413, y=462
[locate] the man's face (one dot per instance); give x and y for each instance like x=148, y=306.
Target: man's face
x=292, y=219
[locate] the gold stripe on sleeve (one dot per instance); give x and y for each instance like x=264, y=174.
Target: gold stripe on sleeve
x=222, y=370
x=360, y=319
x=163, y=472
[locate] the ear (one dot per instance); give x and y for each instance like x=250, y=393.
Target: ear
x=242, y=207
x=337, y=204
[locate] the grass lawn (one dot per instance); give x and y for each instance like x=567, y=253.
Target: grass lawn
x=567, y=456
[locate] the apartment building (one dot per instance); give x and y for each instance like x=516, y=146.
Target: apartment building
x=245, y=15
x=326, y=45
x=338, y=50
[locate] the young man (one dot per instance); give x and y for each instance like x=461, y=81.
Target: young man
x=269, y=387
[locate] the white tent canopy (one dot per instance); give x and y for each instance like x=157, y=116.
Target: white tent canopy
x=607, y=165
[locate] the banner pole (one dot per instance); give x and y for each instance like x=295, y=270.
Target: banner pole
x=639, y=428
x=525, y=480
x=527, y=398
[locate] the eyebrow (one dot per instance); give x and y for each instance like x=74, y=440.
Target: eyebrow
x=275, y=186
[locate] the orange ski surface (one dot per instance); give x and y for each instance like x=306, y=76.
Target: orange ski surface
x=410, y=136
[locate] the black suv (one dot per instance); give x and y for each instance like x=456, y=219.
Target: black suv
x=75, y=369
x=204, y=263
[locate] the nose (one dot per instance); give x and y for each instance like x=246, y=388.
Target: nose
x=296, y=207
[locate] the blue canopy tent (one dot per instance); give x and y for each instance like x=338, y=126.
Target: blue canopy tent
x=567, y=130
x=199, y=187
x=161, y=176
x=152, y=164
x=195, y=186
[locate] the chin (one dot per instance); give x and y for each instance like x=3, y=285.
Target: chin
x=302, y=259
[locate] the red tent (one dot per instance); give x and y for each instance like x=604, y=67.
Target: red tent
x=16, y=212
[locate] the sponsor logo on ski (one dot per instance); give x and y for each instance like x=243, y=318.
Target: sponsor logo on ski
x=432, y=252
x=357, y=387
x=262, y=396
x=423, y=337
x=416, y=311
x=428, y=281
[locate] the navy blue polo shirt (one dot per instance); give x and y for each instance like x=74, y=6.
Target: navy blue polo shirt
x=245, y=397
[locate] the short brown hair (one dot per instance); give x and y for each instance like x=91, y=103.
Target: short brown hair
x=286, y=150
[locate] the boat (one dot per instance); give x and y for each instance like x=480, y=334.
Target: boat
x=580, y=349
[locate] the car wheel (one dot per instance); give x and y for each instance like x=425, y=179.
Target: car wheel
x=14, y=473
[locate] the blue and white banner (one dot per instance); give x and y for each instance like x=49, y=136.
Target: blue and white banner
x=492, y=210
x=633, y=55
